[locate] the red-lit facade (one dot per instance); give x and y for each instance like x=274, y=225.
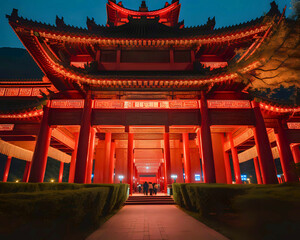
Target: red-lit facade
x=146, y=96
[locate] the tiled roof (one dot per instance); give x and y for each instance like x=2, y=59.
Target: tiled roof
x=137, y=28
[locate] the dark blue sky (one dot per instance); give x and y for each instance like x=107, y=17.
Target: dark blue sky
x=194, y=12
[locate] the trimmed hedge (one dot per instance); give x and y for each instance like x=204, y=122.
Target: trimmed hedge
x=207, y=198
x=10, y=187
x=55, y=211
x=271, y=211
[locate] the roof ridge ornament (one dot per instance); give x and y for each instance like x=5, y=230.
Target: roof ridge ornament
x=60, y=22
x=143, y=7
x=211, y=23
x=274, y=9
x=91, y=24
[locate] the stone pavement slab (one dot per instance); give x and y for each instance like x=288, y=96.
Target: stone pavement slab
x=154, y=222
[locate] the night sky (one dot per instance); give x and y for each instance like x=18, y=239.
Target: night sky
x=194, y=12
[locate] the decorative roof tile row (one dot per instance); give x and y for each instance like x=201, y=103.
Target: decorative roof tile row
x=141, y=28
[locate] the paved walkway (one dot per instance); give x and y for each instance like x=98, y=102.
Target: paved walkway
x=152, y=223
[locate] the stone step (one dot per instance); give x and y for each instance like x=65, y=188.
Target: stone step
x=150, y=203
x=149, y=200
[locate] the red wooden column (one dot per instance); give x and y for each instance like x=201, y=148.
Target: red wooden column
x=285, y=153
x=186, y=156
x=39, y=159
x=6, y=169
x=61, y=172
x=227, y=163
x=257, y=170
x=73, y=159
x=121, y=164
x=111, y=167
x=235, y=160
x=158, y=175
x=200, y=154
x=83, y=142
x=296, y=153
x=167, y=162
x=136, y=174
x=163, y=176
x=27, y=171
x=99, y=162
x=89, y=169
x=207, y=155
x=263, y=147
x=130, y=162
x=107, y=150
x=176, y=160
x=220, y=170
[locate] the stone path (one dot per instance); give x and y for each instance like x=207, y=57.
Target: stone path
x=154, y=222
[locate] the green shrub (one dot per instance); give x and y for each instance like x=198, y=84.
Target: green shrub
x=112, y=195
x=59, y=186
x=177, y=195
x=272, y=212
x=186, y=197
x=69, y=207
x=213, y=199
x=58, y=209
x=217, y=199
x=122, y=195
x=10, y=187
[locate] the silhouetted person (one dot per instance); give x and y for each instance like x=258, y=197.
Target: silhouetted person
x=140, y=188
x=146, y=186
x=150, y=188
x=155, y=188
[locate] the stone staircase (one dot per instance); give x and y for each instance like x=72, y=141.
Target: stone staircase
x=149, y=200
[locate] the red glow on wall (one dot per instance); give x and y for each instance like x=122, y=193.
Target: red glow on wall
x=76, y=103
x=238, y=104
x=25, y=92
x=229, y=104
x=35, y=113
x=293, y=125
x=21, y=92
x=6, y=127
x=11, y=92
x=147, y=104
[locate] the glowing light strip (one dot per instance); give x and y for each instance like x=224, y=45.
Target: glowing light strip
x=98, y=81
x=156, y=42
x=6, y=127
x=278, y=109
x=76, y=103
x=293, y=125
x=36, y=113
x=146, y=104
x=239, y=104
x=21, y=92
x=150, y=13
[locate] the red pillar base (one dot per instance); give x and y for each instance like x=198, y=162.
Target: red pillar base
x=61, y=172
x=257, y=170
x=6, y=169
x=263, y=148
x=286, y=157
x=130, y=162
x=27, y=171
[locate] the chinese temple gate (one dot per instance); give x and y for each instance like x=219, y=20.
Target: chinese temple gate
x=147, y=96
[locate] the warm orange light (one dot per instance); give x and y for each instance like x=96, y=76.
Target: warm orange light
x=278, y=109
